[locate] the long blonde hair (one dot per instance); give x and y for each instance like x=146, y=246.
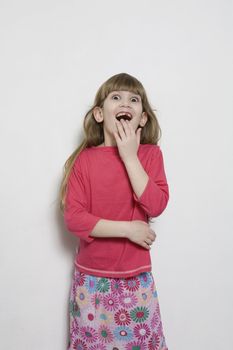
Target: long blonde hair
x=94, y=134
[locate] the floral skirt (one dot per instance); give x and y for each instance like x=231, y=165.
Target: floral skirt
x=115, y=313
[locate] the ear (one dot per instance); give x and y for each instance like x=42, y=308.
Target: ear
x=98, y=114
x=144, y=119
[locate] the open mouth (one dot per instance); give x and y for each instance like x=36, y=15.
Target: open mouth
x=123, y=115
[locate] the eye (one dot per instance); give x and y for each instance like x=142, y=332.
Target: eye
x=115, y=97
x=135, y=99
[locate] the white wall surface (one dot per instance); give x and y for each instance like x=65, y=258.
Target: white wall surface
x=54, y=56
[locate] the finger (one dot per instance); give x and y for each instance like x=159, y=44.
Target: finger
x=149, y=241
x=129, y=126
x=125, y=127
x=145, y=245
x=138, y=135
x=152, y=237
x=152, y=233
x=118, y=133
x=120, y=130
x=117, y=137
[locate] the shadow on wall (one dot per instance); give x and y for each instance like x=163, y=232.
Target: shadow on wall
x=69, y=243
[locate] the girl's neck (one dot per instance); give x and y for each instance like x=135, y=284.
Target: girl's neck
x=109, y=141
x=106, y=145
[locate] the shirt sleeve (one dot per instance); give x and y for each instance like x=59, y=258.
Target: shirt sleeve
x=155, y=196
x=77, y=218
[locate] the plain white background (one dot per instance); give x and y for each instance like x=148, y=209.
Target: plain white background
x=54, y=56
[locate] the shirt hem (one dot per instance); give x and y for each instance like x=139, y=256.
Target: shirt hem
x=113, y=274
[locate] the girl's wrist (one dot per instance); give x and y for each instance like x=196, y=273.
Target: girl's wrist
x=131, y=160
x=127, y=228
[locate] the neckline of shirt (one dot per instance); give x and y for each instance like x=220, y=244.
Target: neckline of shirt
x=113, y=149
x=105, y=148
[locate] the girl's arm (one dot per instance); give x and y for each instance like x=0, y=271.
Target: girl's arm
x=137, y=175
x=150, y=187
x=87, y=226
x=136, y=231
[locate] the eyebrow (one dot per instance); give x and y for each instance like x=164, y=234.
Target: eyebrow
x=118, y=91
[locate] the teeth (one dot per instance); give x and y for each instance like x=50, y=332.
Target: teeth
x=124, y=115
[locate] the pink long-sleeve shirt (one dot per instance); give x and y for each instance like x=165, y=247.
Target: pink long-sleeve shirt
x=99, y=188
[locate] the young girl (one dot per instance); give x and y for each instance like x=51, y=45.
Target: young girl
x=113, y=184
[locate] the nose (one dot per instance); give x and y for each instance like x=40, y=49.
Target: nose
x=125, y=103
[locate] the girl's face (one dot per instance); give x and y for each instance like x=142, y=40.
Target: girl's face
x=119, y=103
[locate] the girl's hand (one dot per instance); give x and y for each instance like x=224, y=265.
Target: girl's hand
x=140, y=233
x=127, y=140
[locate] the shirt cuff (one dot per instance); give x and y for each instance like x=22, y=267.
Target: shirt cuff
x=140, y=199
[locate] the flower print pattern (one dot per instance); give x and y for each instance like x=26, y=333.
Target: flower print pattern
x=128, y=300
x=117, y=286
x=132, y=284
x=111, y=302
x=82, y=297
x=88, y=334
x=142, y=331
x=74, y=309
x=115, y=313
x=91, y=284
x=139, y=314
x=80, y=345
x=144, y=296
x=106, y=317
x=157, y=309
x=136, y=345
x=155, y=320
x=87, y=315
x=80, y=278
x=96, y=300
x=74, y=329
x=105, y=334
x=103, y=285
x=123, y=333
x=145, y=279
x=160, y=328
x=122, y=317
x=154, y=342
x=98, y=347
